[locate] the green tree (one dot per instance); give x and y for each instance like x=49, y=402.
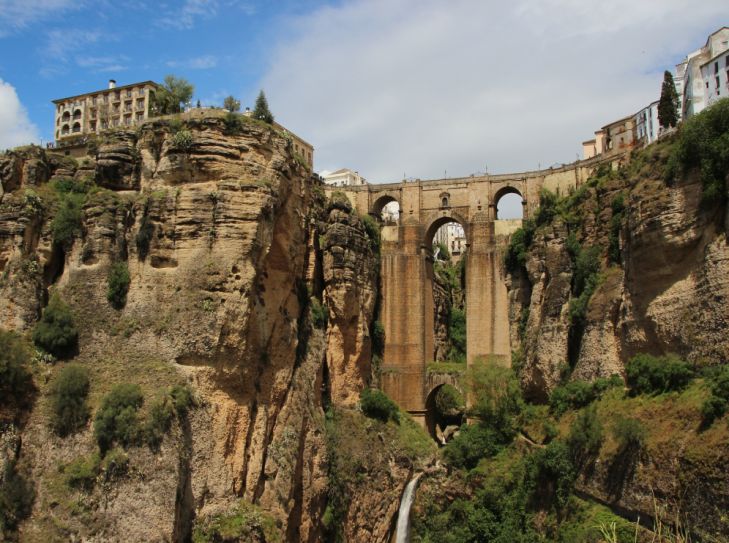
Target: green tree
x=118, y=285
x=15, y=379
x=173, y=95
x=231, y=104
x=68, y=399
x=116, y=420
x=261, y=111
x=668, y=103
x=55, y=332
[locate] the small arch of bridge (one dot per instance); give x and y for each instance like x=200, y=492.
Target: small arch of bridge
x=504, y=191
x=380, y=200
x=440, y=219
x=431, y=414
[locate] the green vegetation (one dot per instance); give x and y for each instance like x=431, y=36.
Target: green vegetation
x=244, y=522
x=175, y=401
x=231, y=103
x=319, y=313
x=117, y=419
x=55, y=332
x=577, y=394
x=82, y=472
x=378, y=338
x=261, y=111
x=67, y=224
x=233, y=123
x=668, y=102
x=521, y=240
x=630, y=434
x=145, y=233
x=172, y=96
x=183, y=140
x=585, y=437
x=68, y=400
x=457, y=335
x=376, y=405
x=372, y=228
x=701, y=144
x=715, y=406
x=648, y=374
x=16, y=498
x=118, y=284
x=16, y=382
x=448, y=401
x=616, y=222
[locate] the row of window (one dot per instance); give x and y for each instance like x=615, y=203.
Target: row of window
x=101, y=125
x=128, y=95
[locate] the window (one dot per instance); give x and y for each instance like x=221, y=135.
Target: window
x=716, y=67
x=129, y=93
x=117, y=95
x=140, y=92
x=717, y=84
x=444, y=201
x=93, y=100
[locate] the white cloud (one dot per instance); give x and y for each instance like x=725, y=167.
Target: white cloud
x=191, y=11
x=204, y=62
x=15, y=127
x=418, y=87
x=18, y=14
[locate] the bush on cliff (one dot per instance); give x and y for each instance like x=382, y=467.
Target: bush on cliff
x=118, y=285
x=15, y=379
x=116, y=420
x=576, y=394
x=16, y=498
x=716, y=405
x=648, y=374
x=68, y=400
x=68, y=221
x=702, y=144
x=55, y=332
x=376, y=405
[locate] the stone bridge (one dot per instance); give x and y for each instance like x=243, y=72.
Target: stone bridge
x=407, y=265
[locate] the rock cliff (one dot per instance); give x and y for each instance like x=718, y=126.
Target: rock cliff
x=219, y=227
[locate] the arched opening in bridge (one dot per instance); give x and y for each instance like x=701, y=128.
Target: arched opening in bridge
x=387, y=210
x=446, y=239
x=444, y=410
x=509, y=204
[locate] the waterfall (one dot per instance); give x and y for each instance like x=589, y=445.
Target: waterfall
x=403, y=515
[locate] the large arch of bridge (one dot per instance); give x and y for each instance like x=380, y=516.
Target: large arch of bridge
x=380, y=202
x=436, y=222
x=505, y=191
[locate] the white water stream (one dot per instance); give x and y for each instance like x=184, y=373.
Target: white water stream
x=403, y=515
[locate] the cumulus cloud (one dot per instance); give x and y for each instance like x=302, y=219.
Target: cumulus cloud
x=426, y=88
x=15, y=127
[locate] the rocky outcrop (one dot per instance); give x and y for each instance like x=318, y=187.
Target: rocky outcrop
x=215, y=227
x=350, y=269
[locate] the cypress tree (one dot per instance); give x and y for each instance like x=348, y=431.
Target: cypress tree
x=261, y=111
x=668, y=104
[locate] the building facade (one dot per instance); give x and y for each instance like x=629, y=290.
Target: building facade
x=343, y=178
x=701, y=74
x=94, y=112
x=647, y=126
x=453, y=237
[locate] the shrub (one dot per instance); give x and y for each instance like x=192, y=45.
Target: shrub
x=473, y=442
x=372, y=228
x=118, y=284
x=497, y=399
x=233, y=123
x=68, y=222
x=182, y=399
x=630, y=434
x=16, y=498
x=457, y=334
x=616, y=221
x=519, y=244
x=716, y=405
x=547, y=207
x=550, y=475
x=376, y=405
x=244, y=522
x=702, y=143
x=448, y=401
x=158, y=421
x=116, y=419
x=55, y=332
x=114, y=464
x=68, y=400
x=145, y=233
x=182, y=140
x=15, y=379
x=319, y=314
x=648, y=374
x=378, y=338
x=585, y=437
x=577, y=394
x=82, y=472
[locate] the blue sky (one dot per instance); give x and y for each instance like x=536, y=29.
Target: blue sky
x=391, y=88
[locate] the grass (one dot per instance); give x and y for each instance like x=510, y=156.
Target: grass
x=457, y=368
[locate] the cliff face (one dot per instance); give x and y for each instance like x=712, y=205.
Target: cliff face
x=214, y=223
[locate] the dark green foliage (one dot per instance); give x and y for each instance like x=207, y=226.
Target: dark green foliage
x=616, y=222
x=158, y=422
x=82, y=472
x=233, y=123
x=55, y=332
x=457, y=334
x=243, y=522
x=586, y=437
x=145, y=233
x=118, y=284
x=646, y=374
x=16, y=381
x=577, y=394
x=473, y=442
x=716, y=405
x=172, y=96
x=70, y=185
x=376, y=405
x=319, y=314
x=261, y=111
x=443, y=253
x=519, y=244
x=586, y=269
x=630, y=434
x=68, y=221
x=523, y=321
x=116, y=420
x=16, y=498
x=182, y=399
x=68, y=400
x=668, y=102
x=547, y=207
x=550, y=475
x=372, y=228
x=378, y=338
x=231, y=104
x=702, y=143
x=448, y=401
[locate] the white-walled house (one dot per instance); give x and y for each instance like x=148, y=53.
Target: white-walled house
x=343, y=178
x=647, y=126
x=699, y=92
x=715, y=75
